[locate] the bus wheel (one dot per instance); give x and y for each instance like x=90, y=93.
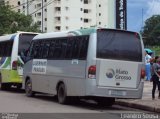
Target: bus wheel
x=19, y=86
x=61, y=94
x=108, y=102
x=28, y=88
x=2, y=85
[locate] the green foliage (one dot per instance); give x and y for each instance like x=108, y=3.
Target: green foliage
x=151, y=31
x=11, y=21
x=156, y=50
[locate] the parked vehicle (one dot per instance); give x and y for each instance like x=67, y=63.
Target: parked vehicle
x=12, y=49
x=99, y=64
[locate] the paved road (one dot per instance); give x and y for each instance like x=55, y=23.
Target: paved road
x=16, y=102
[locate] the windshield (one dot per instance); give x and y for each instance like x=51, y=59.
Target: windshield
x=119, y=45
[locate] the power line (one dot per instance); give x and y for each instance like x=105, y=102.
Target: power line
x=43, y=6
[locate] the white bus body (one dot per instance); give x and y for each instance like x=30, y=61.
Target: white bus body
x=102, y=64
x=11, y=61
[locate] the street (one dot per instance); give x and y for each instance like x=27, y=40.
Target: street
x=15, y=101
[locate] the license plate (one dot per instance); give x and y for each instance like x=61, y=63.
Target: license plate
x=117, y=93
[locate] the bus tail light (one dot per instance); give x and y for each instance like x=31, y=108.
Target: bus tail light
x=14, y=65
x=143, y=73
x=92, y=72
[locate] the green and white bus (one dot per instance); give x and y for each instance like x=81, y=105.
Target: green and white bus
x=12, y=48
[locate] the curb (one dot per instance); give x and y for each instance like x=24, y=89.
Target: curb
x=138, y=106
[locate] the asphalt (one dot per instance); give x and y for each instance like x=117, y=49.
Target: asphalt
x=146, y=103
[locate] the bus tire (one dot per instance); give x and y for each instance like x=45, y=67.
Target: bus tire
x=2, y=85
x=62, y=94
x=28, y=89
x=107, y=102
x=19, y=86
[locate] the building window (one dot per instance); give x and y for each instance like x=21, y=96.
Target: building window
x=99, y=14
x=23, y=7
x=81, y=9
x=99, y=23
x=86, y=20
x=45, y=0
x=58, y=9
x=99, y=5
x=86, y=10
x=81, y=19
x=58, y=18
x=45, y=10
x=86, y=2
x=19, y=3
x=39, y=5
x=67, y=8
x=45, y=28
x=35, y=15
x=39, y=22
x=66, y=17
x=39, y=14
x=67, y=27
x=7, y=2
x=58, y=28
x=45, y=19
x=19, y=10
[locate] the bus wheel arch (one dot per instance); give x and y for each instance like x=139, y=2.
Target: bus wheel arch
x=62, y=93
x=28, y=87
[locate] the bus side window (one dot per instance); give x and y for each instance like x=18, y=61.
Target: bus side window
x=36, y=50
x=84, y=48
x=51, y=49
x=69, y=48
x=31, y=50
x=63, y=47
x=75, y=48
x=46, y=49
x=58, y=49
x=1, y=49
x=8, y=46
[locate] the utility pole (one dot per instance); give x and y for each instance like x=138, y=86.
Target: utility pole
x=42, y=16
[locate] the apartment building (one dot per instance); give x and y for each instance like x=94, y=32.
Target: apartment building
x=60, y=15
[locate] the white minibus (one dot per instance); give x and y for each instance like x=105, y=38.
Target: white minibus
x=97, y=63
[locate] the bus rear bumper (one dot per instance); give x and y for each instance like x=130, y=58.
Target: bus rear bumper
x=120, y=93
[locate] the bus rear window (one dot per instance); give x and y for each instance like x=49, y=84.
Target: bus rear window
x=24, y=42
x=119, y=45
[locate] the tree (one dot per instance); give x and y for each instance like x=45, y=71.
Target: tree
x=11, y=21
x=151, y=31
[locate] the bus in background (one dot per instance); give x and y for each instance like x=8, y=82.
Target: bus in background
x=99, y=64
x=12, y=49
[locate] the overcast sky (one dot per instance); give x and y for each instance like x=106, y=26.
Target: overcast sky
x=134, y=7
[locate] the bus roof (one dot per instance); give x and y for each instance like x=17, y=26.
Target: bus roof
x=7, y=37
x=78, y=32
x=66, y=33
x=11, y=36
